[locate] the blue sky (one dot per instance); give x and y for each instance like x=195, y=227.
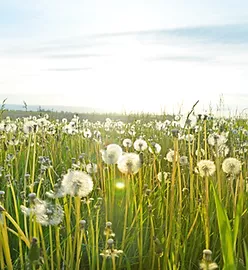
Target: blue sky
x=125, y=55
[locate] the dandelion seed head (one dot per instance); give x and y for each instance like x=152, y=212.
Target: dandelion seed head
x=170, y=155
x=77, y=183
x=162, y=176
x=231, y=166
x=127, y=143
x=206, y=168
x=140, y=145
x=183, y=160
x=111, y=154
x=216, y=139
x=155, y=148
x=129, y=163
x=91, y=168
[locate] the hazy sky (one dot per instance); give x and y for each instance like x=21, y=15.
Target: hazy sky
x=127, y=55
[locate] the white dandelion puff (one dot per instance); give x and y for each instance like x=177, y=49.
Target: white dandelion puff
x=45, y=213
x=129, y=163
x=127, y=143
x=155, y=148
x=206, y=168
x=162, y=176
x=140, y=145
x=91, y=168
x=77, y=183
x=111, y=154
x=170, y=156
x=231, y=166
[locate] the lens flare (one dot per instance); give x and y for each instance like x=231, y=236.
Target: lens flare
x=120, y=185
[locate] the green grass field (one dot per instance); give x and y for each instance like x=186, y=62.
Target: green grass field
x=140, y=192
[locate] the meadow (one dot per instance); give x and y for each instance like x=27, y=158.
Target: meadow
x=145, y=193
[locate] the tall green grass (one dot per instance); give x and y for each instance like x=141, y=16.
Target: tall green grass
x=133, y=221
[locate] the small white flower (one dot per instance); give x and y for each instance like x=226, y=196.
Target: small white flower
x=111, y=154
x=91, y=168
x=206, y=168
x=170, y=155
x=127, y=143
x=129, y=163
x=155, y=148
x=140, y=145
x=162, y=176
x=77, y=183
x=231, y=166
x=216, y=139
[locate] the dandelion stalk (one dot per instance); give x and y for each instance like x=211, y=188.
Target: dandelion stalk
x=58, y=248
x=33, y=165
x=97, y=239
x=171, y=204
x=207, y=222
x=123, y=240
x=113, y=263
x=92, y=236
x=141, y=222
x=25, y=181
x=44, y=251
x=51, y=247
x=77, y=202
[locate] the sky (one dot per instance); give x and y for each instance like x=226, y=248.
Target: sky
x=125, y=56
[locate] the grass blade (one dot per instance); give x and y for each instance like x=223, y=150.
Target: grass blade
x=226, y=235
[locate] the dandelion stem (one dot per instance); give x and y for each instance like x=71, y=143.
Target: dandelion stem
x=51, y=247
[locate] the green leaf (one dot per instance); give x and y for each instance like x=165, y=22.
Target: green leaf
x=226, y=235
x=239, y=209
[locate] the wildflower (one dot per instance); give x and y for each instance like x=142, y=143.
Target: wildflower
x=175, y=132
x=127, y=143
x=132, y=132
x=77, y=183
x=42, y=122
x=69, y=129
x=206, y=168
x=11, y=128
x=140, y=145
x=188, y=121
x=108, y=229
x=200, y=152
x=87, y=133
x=162, y=176
x=188, y=137
x=170, y=155
x=206, y=263
x=111, y=154
x=111, y=252
x=64, y=120
x=82, y=224
x=216, y=139
x=231, y=166
x=222, y=150
x=30, y=127
x=154, y=148
x=129, y=163
x=45, y=213
x=91, y=168
x=183, y=160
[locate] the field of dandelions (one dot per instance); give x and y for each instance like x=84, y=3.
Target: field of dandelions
x=146, y=194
